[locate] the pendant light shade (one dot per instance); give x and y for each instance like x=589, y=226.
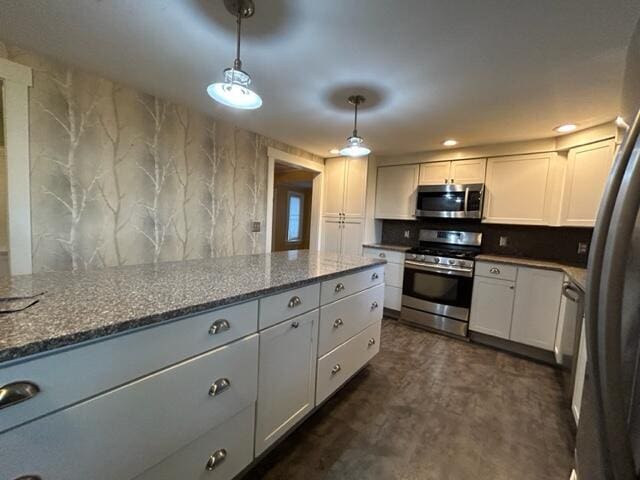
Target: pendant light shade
x=355, y=146
x=234, y=91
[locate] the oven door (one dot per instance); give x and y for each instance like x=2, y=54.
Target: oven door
x=435, y=290
x=450, y=201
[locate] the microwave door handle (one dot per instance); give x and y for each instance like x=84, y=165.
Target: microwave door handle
x=466, y=199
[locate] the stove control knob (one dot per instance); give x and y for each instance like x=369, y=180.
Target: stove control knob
x=436, y=260
x=412, y=256
x=421, y=257
x=452, y=262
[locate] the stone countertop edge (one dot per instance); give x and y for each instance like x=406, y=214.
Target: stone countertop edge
x=577, y=274
x=28, y=350
x=383, y=246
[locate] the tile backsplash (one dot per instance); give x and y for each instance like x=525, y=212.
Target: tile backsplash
x=545, y=243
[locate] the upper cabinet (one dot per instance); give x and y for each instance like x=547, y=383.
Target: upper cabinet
x=345, y=186
x=517, y=189
x=457, y=171
x=587, y=171
x=396, y=192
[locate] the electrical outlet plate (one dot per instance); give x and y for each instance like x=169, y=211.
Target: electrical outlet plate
x=504, y=241
x=583, y=247
x=407, y=234
x=255, y=227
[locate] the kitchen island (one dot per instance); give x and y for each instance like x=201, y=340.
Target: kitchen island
x=175, y=369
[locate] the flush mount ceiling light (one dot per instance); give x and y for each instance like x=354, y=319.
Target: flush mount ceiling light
x=450, y=143
x=355, y=146
x=234, y=91
x=566, y=128
x=335, y=151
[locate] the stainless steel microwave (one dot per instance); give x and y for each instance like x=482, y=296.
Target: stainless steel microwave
x=450, y=201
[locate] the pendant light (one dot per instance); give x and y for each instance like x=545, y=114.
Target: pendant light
x=355, y=146
x=234, y=91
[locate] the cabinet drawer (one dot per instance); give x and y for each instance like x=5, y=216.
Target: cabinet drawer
x=280, y=307
x=392, y=297
x=72, y=375
x=496, y=270
x=341, y=320
x=337, y=366
x=391, y=256
x=342, y=287
x=231, y=443
x=125, y=431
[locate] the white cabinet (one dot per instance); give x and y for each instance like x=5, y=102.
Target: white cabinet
x=587, y=171
x=516, y=303
x=396, y=192
x=456, y=171
x=492, y=306
x=342, y=235
x=345, y=186
x=435, y=173
x=536, y=307
x=517, y=189
x=286, y=384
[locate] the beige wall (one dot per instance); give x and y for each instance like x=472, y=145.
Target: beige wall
x=122, y=177
x=4, y=239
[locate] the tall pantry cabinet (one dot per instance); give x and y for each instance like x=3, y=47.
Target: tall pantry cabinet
x=345, y=188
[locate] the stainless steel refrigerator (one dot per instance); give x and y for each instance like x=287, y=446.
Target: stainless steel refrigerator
x=608, y=439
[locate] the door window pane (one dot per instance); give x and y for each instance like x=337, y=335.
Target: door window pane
x=294, y=217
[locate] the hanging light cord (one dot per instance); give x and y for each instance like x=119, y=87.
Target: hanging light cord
x=237, y=63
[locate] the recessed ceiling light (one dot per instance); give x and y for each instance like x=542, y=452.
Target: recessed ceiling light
x=335, y=151
x=450, y=143
x=566, y=128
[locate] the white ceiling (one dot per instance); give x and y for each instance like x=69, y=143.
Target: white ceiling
x=481, y=71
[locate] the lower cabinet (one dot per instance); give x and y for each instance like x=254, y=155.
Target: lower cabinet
x=286, y=382
x=221, y=453
x=393, y=275
x=521, y=305
x=337, y=366
x=492, y=306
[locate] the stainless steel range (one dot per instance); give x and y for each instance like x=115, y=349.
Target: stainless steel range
x=438, y=279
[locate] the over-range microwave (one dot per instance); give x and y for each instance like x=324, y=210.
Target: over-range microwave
x=450, y=201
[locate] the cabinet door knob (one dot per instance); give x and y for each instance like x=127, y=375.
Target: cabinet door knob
x=512, y=287
x=494, y=270
x=374, y=305
x=294, y=302
x=375, y=276
x=219, y=386
x=16, y=392
x=337, y=323
x=372, y=341
x=295, y=324
x=219, y=326
x=216, y=459
x=336, y=369
x=339, y=288
x=452, y=181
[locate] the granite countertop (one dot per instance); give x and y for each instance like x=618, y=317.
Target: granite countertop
x=578, y=275
x=386, y=246
x=76, y=307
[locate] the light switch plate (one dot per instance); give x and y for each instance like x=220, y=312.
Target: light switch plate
x=255, y=227
x=504, y=241
x=407, y=234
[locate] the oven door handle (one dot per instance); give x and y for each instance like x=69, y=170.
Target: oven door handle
x=466, y=199
x=449, y=270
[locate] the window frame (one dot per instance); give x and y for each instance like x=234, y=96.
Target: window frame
x=299, y=239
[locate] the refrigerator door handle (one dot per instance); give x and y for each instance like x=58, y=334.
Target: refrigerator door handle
x=609, y=341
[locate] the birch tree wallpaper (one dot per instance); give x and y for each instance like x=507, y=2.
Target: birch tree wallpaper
x=119, y=177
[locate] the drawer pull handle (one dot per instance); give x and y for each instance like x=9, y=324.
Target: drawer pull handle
x=382, y=255
x=294, y=302
x=216, y=459
x=219, y=326
x=372, y=341
x=295, y=324
x=16, y=392
x=29, y=477
x=375, y=276
x=494, y=270
x=337, y=323
x=336, y=369
x=374, y=305
x=219, y=386
x=339, y=288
